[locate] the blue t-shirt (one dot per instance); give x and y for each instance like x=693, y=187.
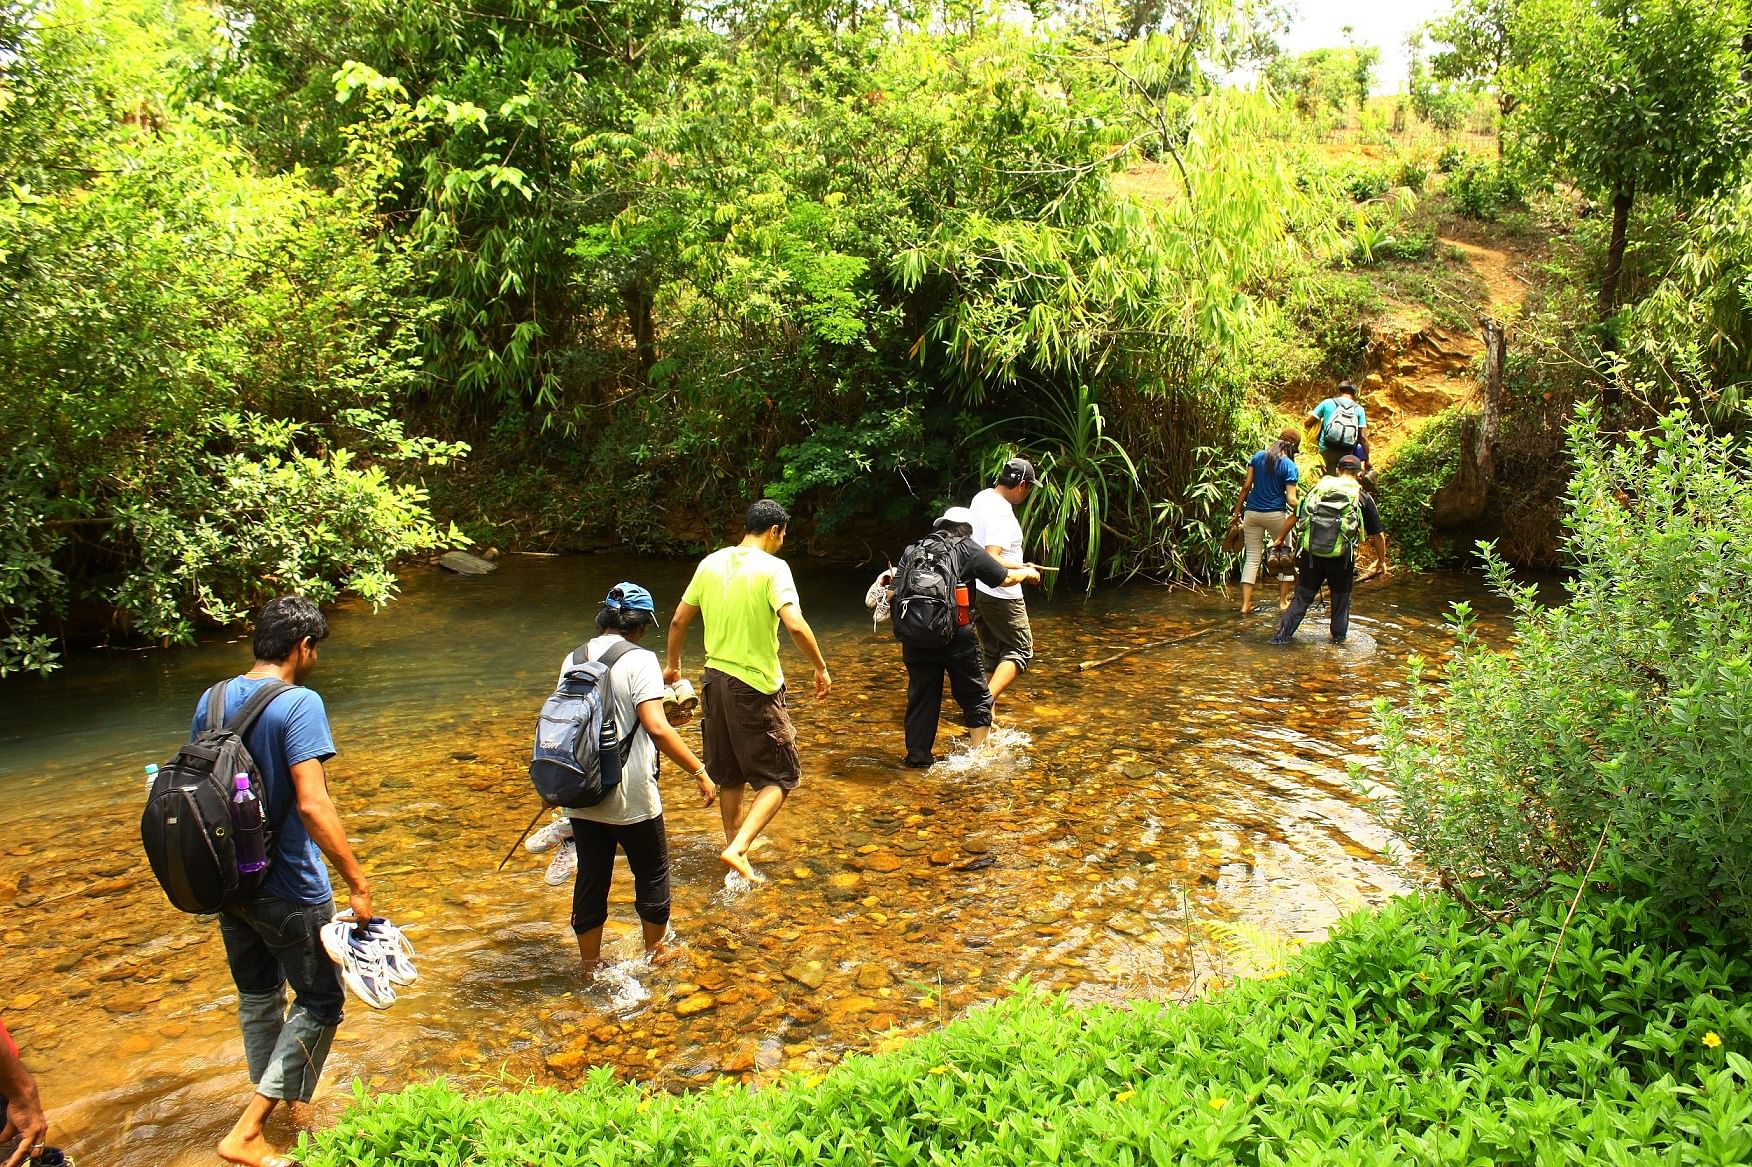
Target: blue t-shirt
x=1271, y=481
x=293, y=728
x=1327, y=408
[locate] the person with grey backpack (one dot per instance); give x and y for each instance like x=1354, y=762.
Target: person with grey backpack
x=1333, y=517
x=1342, y=428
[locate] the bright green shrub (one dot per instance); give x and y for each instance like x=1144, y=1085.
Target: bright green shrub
x=1406, y=1038
x=1419, y=468
x=1484, y=190
x=1622, y=719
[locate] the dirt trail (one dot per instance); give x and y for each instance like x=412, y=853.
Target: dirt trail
x=1419, y=368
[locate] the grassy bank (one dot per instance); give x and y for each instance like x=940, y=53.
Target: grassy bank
x=1415, y=1035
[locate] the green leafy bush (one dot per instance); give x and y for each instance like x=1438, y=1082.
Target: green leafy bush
x=1620, y=720
x=1419, y=468
x=1412, y=1036
x=1484, y=190
x=1412, y=173
x=1333, y=310
x=1451, y=158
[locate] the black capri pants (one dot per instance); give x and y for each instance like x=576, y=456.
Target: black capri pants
x=647, y=848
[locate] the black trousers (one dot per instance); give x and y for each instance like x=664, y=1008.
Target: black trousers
x=647, y=848
x=924, y=691
x=1338, y=574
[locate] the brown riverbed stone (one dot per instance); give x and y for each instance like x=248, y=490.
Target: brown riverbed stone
x=810, y=974
x=883, y=862
x=941, y=858
x=844, y=880
x=568, y=1063
x=695, y=1003
x=872, y=977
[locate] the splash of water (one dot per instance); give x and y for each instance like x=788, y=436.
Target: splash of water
x=620, y=985
x=1004, y=748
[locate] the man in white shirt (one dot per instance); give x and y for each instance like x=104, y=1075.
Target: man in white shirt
x=1000, y=612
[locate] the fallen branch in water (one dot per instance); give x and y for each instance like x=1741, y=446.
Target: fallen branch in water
x=1169, y=643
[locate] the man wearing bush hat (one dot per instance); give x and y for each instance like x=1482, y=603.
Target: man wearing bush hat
x=1000, y=612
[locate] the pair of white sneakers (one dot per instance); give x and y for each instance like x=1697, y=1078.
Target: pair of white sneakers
x=373, y=958
x=556, y=834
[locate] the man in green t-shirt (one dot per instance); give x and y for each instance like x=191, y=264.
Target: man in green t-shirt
x=742, y=594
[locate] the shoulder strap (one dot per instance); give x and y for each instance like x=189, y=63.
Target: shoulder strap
x=216, y=705
x=614, y=652
x=252, y=708
x=607, y=660
x=581, y=654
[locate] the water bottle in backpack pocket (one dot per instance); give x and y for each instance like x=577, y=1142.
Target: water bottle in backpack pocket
x=579, y=753
x=189, y=829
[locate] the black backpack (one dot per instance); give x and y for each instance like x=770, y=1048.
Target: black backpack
x=187, y=827
x=579, y=756
x=924, y=593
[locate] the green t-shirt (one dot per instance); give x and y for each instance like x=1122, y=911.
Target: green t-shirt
x=739, y=591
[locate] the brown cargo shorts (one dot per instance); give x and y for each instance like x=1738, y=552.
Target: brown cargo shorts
x=748, y=736
x=1004, y=634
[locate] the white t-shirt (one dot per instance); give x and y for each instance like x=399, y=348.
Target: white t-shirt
x=995, y=525
x=637, y=677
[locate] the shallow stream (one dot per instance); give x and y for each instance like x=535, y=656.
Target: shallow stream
x=1148, y=828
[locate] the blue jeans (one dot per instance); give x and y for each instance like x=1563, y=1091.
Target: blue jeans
x=268, y=944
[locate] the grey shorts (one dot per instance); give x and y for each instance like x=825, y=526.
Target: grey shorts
x=1004, y=634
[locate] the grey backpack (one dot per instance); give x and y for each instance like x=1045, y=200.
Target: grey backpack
x=579, y=754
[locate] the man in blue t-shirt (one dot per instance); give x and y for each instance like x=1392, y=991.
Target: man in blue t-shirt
x=275, y=939
x=1341, y=428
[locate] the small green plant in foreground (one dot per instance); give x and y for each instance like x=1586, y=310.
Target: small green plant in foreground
x=1416, y=1035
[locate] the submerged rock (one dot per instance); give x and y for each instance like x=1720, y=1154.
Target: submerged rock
x=462, y=563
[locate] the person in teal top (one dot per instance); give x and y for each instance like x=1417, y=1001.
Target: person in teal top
x=1341, y=427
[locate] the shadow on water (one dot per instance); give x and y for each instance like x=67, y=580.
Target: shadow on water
x=1152, y=827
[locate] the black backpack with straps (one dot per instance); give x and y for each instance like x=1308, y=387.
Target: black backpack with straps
x=923, y=608
x=187, y=827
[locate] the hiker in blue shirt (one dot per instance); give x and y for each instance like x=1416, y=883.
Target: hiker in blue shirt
x=1340, y=427
x=275, y=939
x=1268, y=497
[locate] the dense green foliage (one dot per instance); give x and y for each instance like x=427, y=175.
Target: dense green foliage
x=1412, y=1036
x=202, y=363
x=1616, y=729
x=1631, y=98
x=1421, y=466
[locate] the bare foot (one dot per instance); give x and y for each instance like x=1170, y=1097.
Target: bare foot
x=737, y=862
x=662, y=954
x=590, y=968
x=252, y=1152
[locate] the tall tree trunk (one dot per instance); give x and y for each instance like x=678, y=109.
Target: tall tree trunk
x=1612, y=393
x=1621, y=199
x=639, y=319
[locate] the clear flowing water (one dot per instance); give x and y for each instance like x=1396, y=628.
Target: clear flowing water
x=1148, y=828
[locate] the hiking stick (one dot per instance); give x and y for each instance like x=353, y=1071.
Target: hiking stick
x=541, y=810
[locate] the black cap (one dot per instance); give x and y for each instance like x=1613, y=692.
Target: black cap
x=1350, y=462
x=1016, y=471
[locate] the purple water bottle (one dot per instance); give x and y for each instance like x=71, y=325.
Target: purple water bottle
x=249, y=829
